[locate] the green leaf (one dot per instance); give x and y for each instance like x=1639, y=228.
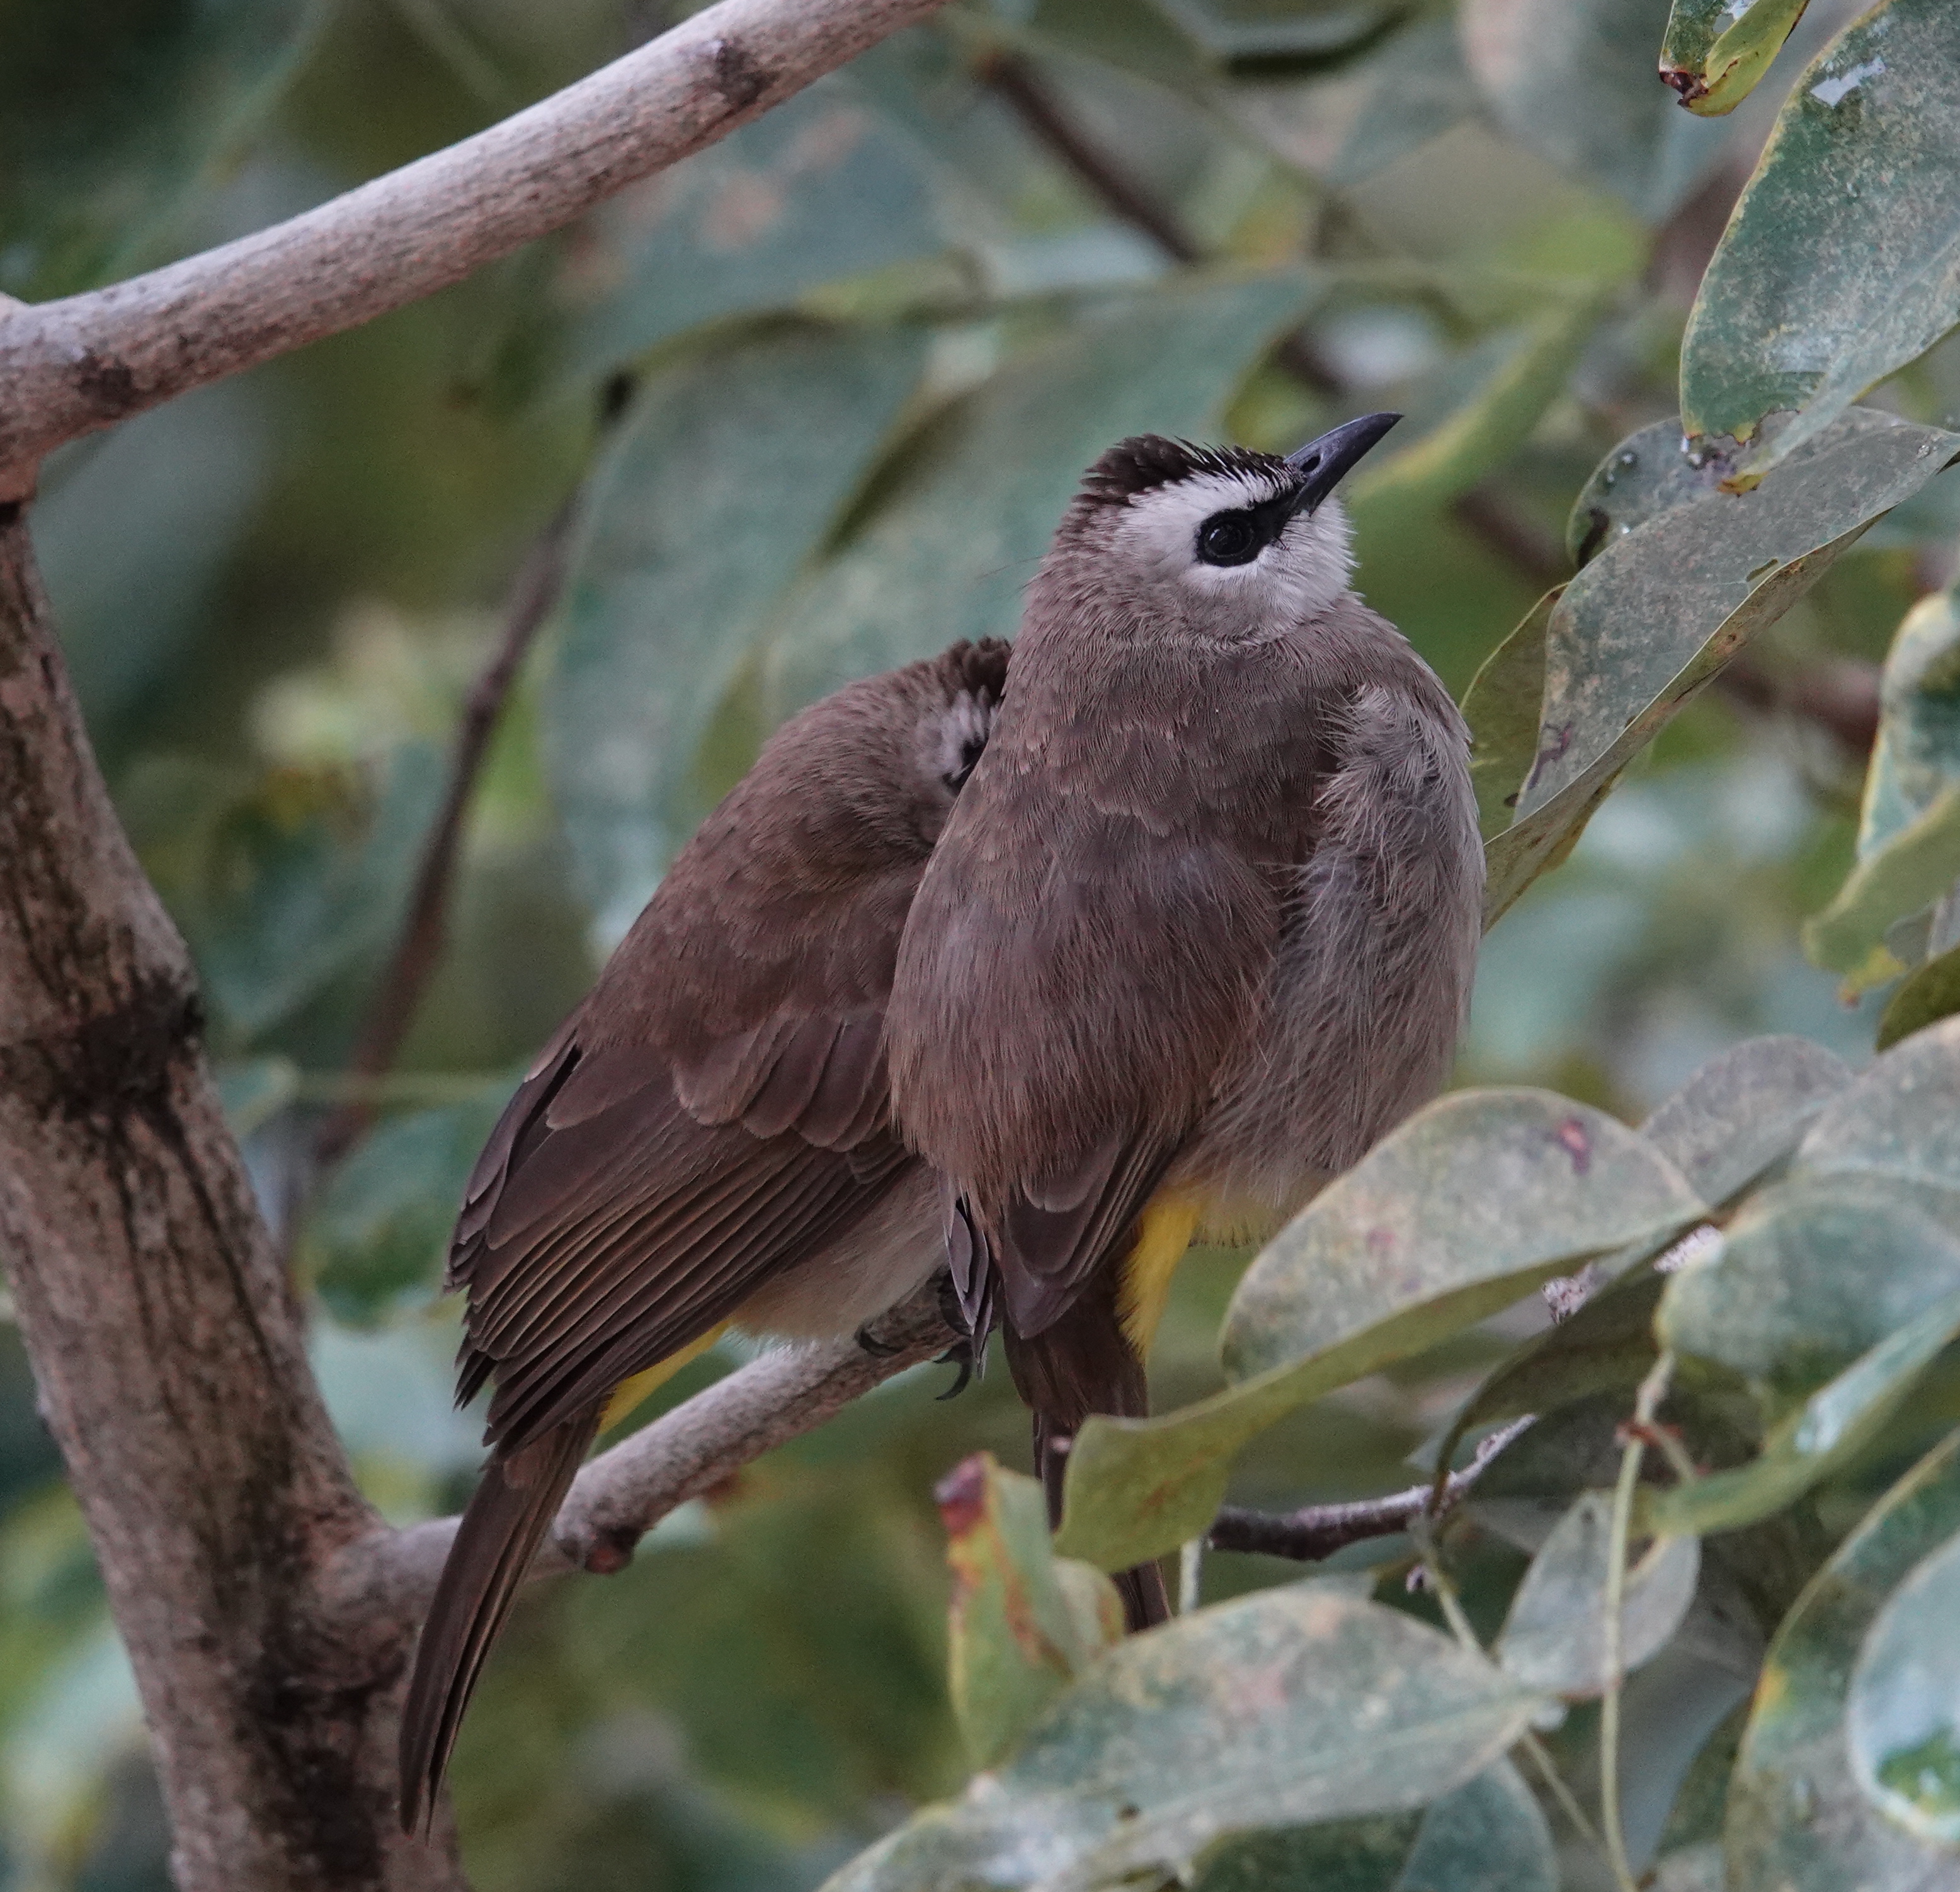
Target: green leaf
x=1574, y=80
x=1815, y=1271
x=1931, y=993
x=1744, y=1112
x=822, y=189
x=111, y=115
x=1797, y=1821
x=376, y=1234
x=1900, y=1118
x=302, y=880
x=1472, y=1202
x=1841, y=263
x=254, y=1090
x=734, y=468
x=1827, y=1431
x=1270, y=38
x=1902, y=1718
x=1501, y=706
x=1527, y=371
x=1917, y=866
x=969, y=509
x=1554, y=1638
x=1022, y=1629
x=1489, y=1836
x=1651, y=619
x=1905, y=832
x=1336, y=1856
x=133, y=534
x=1713, y=69
x=1294, y=1705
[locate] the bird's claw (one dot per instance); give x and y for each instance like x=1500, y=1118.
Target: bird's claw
x=960, y=1354
x=878, y=1349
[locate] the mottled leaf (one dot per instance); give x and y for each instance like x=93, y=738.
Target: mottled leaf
x=1900, y=1118
x=734, y=466
x=1797, y=1821
x=1335, y=1855
x=1554, y=1638
x=1024, y=1624
x=1712, y=55
x=1841, y=263
x=1902, y=1717
x=1745, y=1111
x=1646, y=624
x=1294, y=1705
x=1574, y=81
x=1471, y=1203
x=1828, y=1430
x=821, y=188
x=111, y=115
x=376, y=1234
x=1501, y=706
x=1814, y=1271
x=969, y=510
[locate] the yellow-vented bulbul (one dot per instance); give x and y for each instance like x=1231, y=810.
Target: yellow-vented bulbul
x=708, y=1139
x=1203, y=924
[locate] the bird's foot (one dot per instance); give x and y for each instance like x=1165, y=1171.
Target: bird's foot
x=961, y=1354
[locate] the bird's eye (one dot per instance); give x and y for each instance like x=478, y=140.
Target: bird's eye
x=1229, y=538
x=969, y=754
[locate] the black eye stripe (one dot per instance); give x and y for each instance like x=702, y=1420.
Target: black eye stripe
x=1238, y=534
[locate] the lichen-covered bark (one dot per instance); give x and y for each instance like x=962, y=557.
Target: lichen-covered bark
x=168, y=1353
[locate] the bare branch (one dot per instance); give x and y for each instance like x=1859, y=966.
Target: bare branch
x=622, y=1494
x=419, y=946
x=1316, y=1531
x=83, y=362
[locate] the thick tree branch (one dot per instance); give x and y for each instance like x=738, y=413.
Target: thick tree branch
x=80, y=363
x=168, y=1354
x=623, y=1492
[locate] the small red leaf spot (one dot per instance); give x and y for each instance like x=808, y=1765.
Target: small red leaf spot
x=1573, y=1138
x=1381, y=1241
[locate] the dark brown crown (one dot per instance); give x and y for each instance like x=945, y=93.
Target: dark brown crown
x=1148, y=461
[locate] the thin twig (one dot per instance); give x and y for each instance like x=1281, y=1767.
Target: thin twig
x=1653, y=1389
x=418, y=947
x=1316, y=1531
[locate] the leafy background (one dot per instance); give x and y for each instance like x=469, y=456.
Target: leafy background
x=817, y=397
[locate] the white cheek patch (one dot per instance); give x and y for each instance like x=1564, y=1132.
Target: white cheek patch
x=1302, y=572
x=966, y=721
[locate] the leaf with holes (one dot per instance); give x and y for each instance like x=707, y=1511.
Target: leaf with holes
x=1656, y=615
x=1841, y=263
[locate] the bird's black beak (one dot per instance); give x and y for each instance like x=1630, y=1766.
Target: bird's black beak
x=1323, y=463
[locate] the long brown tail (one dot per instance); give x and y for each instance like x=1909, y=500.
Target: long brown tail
x=514, y=1504
x=1084, y=1364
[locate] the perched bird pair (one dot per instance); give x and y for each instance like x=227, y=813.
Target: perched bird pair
x=1043, y=975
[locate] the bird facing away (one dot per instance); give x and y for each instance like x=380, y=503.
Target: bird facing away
x=1203, y=924
x=706, y=1140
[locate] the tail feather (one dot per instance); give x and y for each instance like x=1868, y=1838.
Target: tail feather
x=497, y=1536
x=1146, y=1599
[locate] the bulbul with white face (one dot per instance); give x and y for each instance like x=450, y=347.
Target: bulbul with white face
x=1203, y=924
x=707, y=1140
